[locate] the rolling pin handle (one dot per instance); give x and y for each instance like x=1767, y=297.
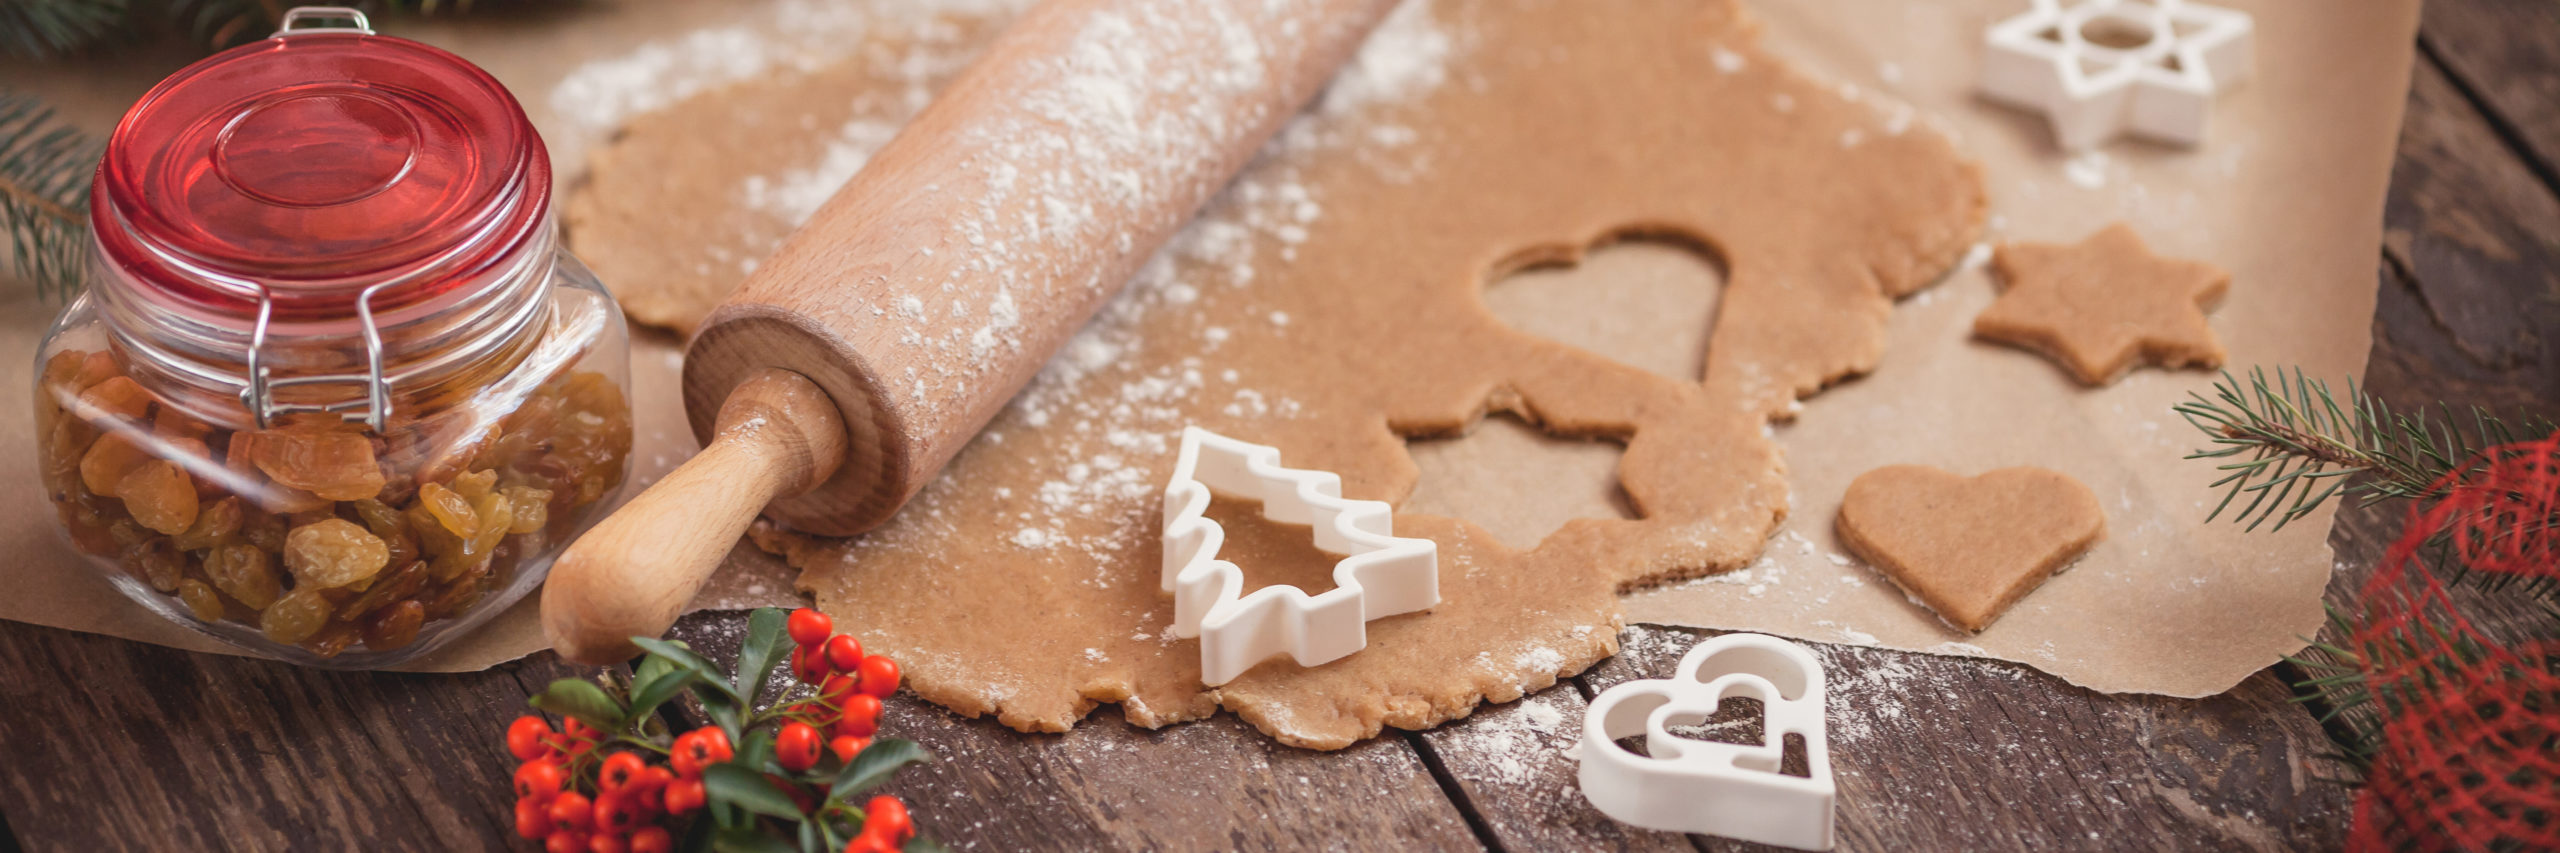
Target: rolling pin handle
x=632, y=574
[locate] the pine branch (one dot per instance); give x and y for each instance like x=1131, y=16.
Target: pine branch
x=45, y=167
x=44, y=29
x=2293, y=447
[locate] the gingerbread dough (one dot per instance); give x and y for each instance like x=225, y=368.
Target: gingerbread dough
x=1968, y=547
x=808, y=133
x=1329, y=303
x=2100, y=305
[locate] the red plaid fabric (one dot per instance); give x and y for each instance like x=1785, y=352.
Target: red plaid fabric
x=2470, y=753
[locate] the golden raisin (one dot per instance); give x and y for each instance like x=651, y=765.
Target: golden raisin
x=326, y=460
x=295, y=617
x=394, y=626
x=107, y=461
x=214, y=525
x=333, y=553
x=245, y=573
x=532, y=508
x=159, y=495
x=118, y=400
x=451, y=510
x=263, y=528
x=201, y=600
x=496, y=514
x=157, y=563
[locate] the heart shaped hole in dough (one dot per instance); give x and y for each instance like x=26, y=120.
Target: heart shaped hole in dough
x=1643, y=300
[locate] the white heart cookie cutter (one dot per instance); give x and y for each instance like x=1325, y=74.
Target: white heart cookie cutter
x=1728, y=789
x=1380, y=574
x=2159, y=87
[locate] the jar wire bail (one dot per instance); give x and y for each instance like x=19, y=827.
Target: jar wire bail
x=259, y=397
x=300, y=14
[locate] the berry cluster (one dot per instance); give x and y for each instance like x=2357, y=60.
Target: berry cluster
x=799, y=762
x=850, y=687
x=630, y=794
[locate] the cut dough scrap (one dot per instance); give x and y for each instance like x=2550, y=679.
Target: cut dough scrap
x=1329, y=303
x=2100, y=305
x=1969, y=547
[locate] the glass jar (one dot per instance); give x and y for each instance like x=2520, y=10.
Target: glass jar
x=334, y=393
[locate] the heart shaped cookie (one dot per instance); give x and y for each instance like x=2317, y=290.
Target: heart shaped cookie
x=1968, y=547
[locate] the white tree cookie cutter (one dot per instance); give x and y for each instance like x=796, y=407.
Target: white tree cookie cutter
x=1380, y=574
x=2158, y=81
x=1728, y=789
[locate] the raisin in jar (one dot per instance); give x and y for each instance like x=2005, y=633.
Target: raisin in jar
x=334, y=393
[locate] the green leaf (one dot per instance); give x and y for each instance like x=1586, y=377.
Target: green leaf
x=653, y=692
x=763, y=649
x=875, y=764
x=684, y=658
x=650, y=668
x=731, y=783
x=921, y=844
x=570, y=697
x=748, y=840
x=809, y=837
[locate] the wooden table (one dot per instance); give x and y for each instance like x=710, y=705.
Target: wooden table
x=107, y=744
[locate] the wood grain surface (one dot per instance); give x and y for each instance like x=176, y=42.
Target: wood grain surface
x=110, y=745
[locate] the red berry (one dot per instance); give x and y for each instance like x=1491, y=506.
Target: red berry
x=571, y=810
x=684, y=796
x=844, y=652
x=606, y=842
x=539, y=780
x=879, y=677
x=654, y=780
x=796, y=747
x=620, y=770
x=847, y=746
x=809, y=627
x=533, y=818
x=525, y=738
x=616, y=814
x=653, y=839
x=565, y=841
x=809, y=664
x=867, y=844
x=838, y=686
x=860, y=716
x=698, y=749
x=887, y=817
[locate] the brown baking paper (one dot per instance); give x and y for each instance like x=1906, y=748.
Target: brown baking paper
x=2286, y=195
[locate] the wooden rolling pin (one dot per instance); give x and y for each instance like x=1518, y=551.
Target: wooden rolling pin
x=885, y=333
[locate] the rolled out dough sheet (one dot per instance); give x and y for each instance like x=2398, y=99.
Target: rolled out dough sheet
x=2287, y=195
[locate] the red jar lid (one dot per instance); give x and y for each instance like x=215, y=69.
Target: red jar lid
x=317, y=164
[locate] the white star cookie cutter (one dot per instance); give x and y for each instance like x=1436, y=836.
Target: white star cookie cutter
x=1733, y=790
x=1380, y=574
x=2097, y=69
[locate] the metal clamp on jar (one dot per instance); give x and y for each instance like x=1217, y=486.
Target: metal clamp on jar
x=334, y=394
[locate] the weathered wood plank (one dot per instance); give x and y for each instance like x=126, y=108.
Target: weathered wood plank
x=1936, y=753
x=2478, y=238
x=1212, y=784
x=2508, y=53
x=116, y=745
x=1515, y=767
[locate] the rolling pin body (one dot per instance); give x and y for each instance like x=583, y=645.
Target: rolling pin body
x=938, y=281
x=935, y=284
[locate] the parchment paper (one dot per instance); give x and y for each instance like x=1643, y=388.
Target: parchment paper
x=2287, y=196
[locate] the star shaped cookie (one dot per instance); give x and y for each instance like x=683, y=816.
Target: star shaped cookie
x=2099, y=305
